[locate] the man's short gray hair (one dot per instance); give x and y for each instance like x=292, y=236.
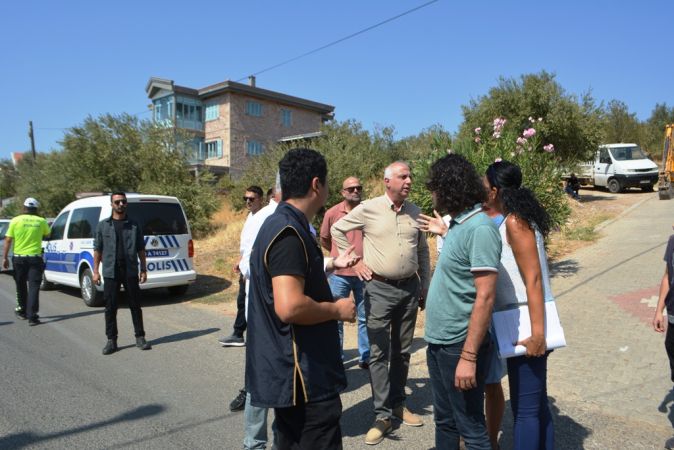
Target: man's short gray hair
x=388, y=172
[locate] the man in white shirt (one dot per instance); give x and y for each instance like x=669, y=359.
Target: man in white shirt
x=253, y=198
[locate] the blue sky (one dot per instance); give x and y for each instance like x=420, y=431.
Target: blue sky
x=63, y=61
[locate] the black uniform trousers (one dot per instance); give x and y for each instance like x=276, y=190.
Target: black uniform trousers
x=28, y=276
x=111, y=294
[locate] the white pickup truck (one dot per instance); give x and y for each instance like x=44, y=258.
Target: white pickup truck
x=618, y=167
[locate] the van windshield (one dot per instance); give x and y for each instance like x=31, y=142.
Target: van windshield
x=628, y=153
x=158, y=218
x=3, y=229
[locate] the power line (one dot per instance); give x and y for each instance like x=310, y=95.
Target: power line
x=364, y=30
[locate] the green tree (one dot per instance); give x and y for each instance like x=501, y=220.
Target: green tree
x=8, y=178
x=348, y=149
x=654, y=128
x=620, y=125
x=572, y=124
x=118, y=153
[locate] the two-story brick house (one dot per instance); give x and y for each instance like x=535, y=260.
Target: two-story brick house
x=231, y=121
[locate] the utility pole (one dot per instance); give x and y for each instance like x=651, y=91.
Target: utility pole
x=32, y=138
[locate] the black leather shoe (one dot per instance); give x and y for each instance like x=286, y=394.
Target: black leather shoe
x=33, y=322
x=110, y=347
x=21, y=315
x=142, y=344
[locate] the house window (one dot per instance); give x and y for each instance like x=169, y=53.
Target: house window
x=189, y=113
x=253, y=108
x=253, y=148
x=212, y=111
x=286, y=118
x=214, y=149
x=163, y=110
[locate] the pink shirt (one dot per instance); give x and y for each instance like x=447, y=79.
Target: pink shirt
x=354, y=237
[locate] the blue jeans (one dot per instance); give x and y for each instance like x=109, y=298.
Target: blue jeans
x=255, y=426
x=457, y=413
x=341, y=287
x=529, y=401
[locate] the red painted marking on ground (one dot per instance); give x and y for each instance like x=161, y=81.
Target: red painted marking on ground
x=631, y=302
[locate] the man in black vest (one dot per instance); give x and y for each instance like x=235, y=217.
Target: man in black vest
x=293, y=356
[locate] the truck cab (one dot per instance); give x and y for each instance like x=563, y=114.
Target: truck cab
x=621, y=166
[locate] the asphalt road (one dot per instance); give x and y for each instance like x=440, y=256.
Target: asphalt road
x=58, y=391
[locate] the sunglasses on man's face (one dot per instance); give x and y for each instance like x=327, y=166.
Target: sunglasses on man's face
x=249, y=199
x=353, y=189
x=120, y=202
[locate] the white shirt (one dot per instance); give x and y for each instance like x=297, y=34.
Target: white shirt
x=248, y=234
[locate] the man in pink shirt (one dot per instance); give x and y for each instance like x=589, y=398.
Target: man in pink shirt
x=345, y=281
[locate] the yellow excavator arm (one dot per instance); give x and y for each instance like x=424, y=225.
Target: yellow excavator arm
x=665, y=187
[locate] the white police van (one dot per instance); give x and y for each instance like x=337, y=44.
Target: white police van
x=69, y=250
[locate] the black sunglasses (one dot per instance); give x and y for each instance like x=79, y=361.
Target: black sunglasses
x=120, y=202
x=353, y=189
x=249, y=199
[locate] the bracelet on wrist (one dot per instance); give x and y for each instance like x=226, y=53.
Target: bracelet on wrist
x=468, y=359
x=469, y=352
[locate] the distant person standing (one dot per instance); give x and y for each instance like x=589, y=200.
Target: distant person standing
x=345, y=281
x=396, y=268
x=253, y=199
x=27, y=231
x=119, y=244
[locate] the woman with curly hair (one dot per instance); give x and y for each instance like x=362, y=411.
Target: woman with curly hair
x=523, y=280
x=459, y=304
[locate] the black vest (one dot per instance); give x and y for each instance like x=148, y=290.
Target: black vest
x=289, y=364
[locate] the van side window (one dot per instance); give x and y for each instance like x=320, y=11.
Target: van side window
x=83, y=223
x=604, y=157
x=158, y=218
x=58, y=227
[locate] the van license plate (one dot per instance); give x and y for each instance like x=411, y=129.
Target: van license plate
x=157, y=253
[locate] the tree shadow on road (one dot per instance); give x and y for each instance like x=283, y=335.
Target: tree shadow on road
x=564, y=268
x=568, y=432
x=29, y=438
x=183, y=336
x=60, y=317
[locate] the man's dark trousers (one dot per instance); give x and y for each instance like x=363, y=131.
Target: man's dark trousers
x=28, y=276
x=111, y=293
x=310, y=425
x=240, y=321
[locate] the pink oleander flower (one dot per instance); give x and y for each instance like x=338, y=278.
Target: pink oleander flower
x=529, y=132
x=549, y=148
x=477, y=139
x=521, y=141
x=496, y=135
x=477, y=130
x=499, y=122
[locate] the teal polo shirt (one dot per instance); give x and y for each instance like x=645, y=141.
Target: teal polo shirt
x=472, y=244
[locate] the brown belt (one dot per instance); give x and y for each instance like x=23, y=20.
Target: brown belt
x=393, y=282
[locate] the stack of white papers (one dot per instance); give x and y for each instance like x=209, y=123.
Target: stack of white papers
x=514, y=325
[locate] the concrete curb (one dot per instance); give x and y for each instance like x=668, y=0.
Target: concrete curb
x=608, y=222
